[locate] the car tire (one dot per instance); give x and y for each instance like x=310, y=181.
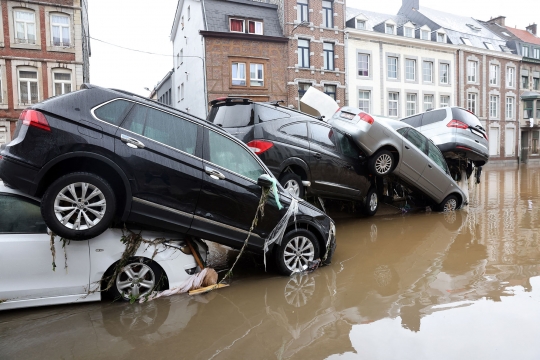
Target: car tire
x=129, y=286
x=381, y=163
x=293, y=184
x=371, y=203
x=64, y=193
x=297, y=249
x=450, y=203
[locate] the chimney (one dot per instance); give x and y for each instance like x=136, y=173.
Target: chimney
x=410, y=4
x=531, y=29
x=498, y=20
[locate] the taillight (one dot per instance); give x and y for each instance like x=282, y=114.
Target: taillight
x=259, y=146
x=366, y=117
x=34, y=118
x=457, y=124
x=486, y=136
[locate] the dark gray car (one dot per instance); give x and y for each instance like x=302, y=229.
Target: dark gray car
x=394, y=147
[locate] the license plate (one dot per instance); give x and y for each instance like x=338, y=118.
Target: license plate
x=347, y=116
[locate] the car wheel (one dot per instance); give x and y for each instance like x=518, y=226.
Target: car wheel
x=381, y=163
x=298, y=248
x=78, y=206
x=137, y=279
x=448, y=204
x=371, y=203
x=293, y=184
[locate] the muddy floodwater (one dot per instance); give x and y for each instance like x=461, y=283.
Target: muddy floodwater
x=406, y=286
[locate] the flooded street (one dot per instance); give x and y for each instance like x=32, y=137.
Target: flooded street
x=412, y=286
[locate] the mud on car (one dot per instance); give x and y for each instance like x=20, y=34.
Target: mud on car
x=100, y=156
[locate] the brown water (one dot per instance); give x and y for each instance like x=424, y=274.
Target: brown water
x=413, y=286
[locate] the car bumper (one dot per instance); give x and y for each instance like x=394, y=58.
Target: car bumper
x=18, y=175
x=473, y=154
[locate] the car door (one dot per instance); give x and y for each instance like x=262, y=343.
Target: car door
x=26, y=259
x=434, y=179
x=230, y=194
x=413, y=153
x=326, y=163
x=161, y=154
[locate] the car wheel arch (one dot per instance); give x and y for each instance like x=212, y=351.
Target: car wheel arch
x=311, y=227
x=84, y=161
x=395, y=152
x=297, y=166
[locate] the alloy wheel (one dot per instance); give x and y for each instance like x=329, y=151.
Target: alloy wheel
x=450, y=205
x=299, y=252
x=373, y=202
x=383, y=164
x=292, y=187
x=135, y=280
x=80, y=206
x=299, y=290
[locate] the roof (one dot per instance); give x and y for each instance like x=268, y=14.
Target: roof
x=219, y=11
x=499, y=30
x=374, y=18
x=524, y=35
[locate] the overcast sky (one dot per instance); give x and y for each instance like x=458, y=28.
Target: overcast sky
x=146, y=25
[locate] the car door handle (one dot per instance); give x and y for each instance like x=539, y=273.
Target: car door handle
x=317, y=156
x=406, y=147
x=131, y=142
x=431, y=167
x=214, y=174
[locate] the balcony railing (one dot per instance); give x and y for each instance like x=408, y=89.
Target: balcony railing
x=25, y=41
x=60, y=43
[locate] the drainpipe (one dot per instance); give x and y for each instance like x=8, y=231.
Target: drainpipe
x=346, y=37
x=204, y=63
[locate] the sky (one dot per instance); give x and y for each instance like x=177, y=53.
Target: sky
x=146, y=25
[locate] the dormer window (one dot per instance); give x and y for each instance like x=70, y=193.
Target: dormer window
x=424, y=34
x=409, y=32
x=389, y=29
x=239, y=26
x=489, y=46
x=360, y=24
x=441, y=37
x=474, y=27
x=466, y=41
x=255, y=27
x=236, y=25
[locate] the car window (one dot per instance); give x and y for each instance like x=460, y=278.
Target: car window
x=417, y=140
x=414, y=121
x=297, y=130
x=239, y=115
x=19, y=215
x=230, y=155
x=346, y=145
x=434, y=116
x=113, y=112
x=266, y=113
x=322, y=134
x=465, y=117
x=163, y=127
x=436, y=155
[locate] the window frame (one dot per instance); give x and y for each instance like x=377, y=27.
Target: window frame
x=255, y=22
x=424, y=34
x=62, y=82
x=511, y=80
x=444, y=104
x=525, y=51
x=328, y=14
x=525, y=82
x=333, y=94
x=472, y=102
x=28, y=81
x=239, y=79
x=359, y=21
x=393, y=101
x=424, y=72
x=363, y=100
x=441, y=73
x=494, y=105
x=412, y=99
x=494, y=71
x=51, y=25
x=431, y=103
x=247, y=62
x=406, y=29
x=472, y=71
x=408, y=68
x=328, y=57
x=358, y=62
x=443, y=37
x=34, y=22
x=305, y=51
x=230, y=25
x=256, y=78
x=390, y=27
x=389, y=64
x=302, y=7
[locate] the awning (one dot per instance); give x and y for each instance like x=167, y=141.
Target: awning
x=530, y=95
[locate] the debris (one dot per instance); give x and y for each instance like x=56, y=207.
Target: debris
x=53, y=251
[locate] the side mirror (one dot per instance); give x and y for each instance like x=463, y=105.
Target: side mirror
x=263, y=181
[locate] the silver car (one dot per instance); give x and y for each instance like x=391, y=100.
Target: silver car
x=457, y=132
x=395, y=147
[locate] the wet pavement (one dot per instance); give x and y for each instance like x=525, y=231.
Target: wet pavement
x=412, y=286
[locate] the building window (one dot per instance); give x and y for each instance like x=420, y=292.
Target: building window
x=493, y=74
x=61, y=83
x=424, y=34
x=428, y=102
x=182, y=22
x=302, y=10
x=392, y=67
x=536, y=53
x=25, y=27
x=328, y=52
x=525, y=51
x=494, y=106
x=189, y=12
x=256, y=75
x=444, y=73
x=528, y=109
x=409, y=32
x=182, y=91
x=1, y=92
x=472, y=71
x=410, y=69
x=411, y=104
x=509, y=108
x=511, y=77
x=427, y=71
x=255, y=27
x=393, y=104
x=28, y=87
x=441, y=38
x=364, y=100
x=181, y=57
x=60, y=30
x=389, y=29
x=445, y=101
x=328, y=14
x=466, y=41
x=238, y=74
x=536, y=83
x=535, y=142
x=471, y=102
x=330, y=90
x=302, y=88
x=363, y=65
x=360, y=24
x=525, y=82
x=489, y=46
x=303, y=53
x=236, y=25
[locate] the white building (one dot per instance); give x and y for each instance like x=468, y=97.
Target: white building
x=395, y=68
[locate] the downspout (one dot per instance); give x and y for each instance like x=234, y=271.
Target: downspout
x=346, y=69
x=204, y=63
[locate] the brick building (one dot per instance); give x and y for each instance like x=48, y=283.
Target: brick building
x=44, y=52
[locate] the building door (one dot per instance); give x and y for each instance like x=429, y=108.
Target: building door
x=493, y=141
x=524, y=146
x=534, y=143
x=509, y=142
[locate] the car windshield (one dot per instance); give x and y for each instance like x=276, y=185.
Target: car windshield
x=239, y=115
x=466, y=117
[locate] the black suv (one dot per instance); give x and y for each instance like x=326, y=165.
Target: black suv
x=307, y=155
x=98, y=155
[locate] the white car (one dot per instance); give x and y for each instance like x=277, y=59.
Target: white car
x=26, y=261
